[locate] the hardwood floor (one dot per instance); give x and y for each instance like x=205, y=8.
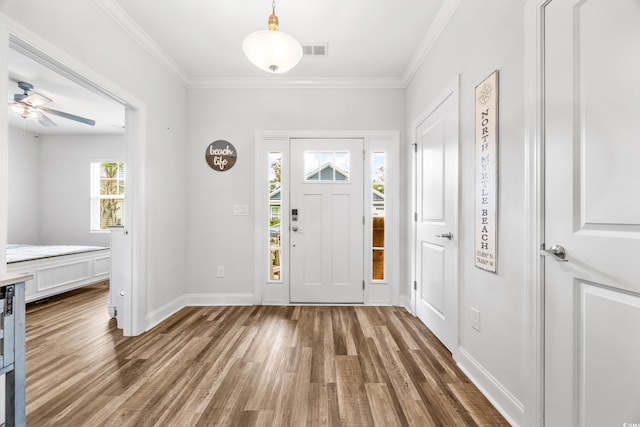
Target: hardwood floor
x=243, y=366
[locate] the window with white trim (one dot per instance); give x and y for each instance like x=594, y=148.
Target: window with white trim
x=378, y=179
x=107, y=195
x=275, y=206
x=326, y=166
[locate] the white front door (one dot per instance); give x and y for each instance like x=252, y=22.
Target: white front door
x=437, y=219
x=592, y=210
x=327, y=220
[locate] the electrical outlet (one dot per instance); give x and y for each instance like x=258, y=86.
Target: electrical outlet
x=220, y=271
x=475, y=319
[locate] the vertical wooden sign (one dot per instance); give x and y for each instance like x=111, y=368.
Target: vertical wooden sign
x=486, y=221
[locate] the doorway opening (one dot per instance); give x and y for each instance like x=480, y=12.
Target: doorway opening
x=63, y=67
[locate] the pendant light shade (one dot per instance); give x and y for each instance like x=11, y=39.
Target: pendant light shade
x=272, y=50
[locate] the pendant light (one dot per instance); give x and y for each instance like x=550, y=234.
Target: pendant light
x=272, y=50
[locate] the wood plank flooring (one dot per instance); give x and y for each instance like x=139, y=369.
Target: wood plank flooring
x=243, y=366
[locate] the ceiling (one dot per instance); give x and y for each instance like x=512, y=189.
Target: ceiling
x=370, y=43
x=66, y=96
x=201, y=40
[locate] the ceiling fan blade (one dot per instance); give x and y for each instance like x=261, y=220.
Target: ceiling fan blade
x=35, y=99
x=46, y=121
x=69, y=116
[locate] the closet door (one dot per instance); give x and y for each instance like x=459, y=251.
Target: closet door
x=592, y=212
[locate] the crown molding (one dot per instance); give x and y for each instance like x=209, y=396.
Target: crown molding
x=122, y=18
x=290, y=83
x=440, y=22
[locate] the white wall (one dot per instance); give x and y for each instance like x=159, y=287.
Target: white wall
x=214, y=236
x=24, y=188
x=81, y=30
x=65, y=186
x=481, y=37
x=49, y=186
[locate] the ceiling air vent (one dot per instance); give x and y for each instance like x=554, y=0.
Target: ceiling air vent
x=314, y=50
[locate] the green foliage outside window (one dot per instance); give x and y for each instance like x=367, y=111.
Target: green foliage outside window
x=111, y=194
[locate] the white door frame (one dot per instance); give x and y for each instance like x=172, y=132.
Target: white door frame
x=452, y=89
x=384, y=292
x=534, y=211
x=14, y=35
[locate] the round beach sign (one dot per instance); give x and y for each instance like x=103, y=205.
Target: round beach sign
x=221, y=155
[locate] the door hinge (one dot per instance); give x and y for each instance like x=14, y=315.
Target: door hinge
x=415, y=147
x=363, y=284
x=363, y=219
x=415, y=216
x=415, y=285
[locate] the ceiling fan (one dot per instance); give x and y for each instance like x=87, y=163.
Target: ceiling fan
x=30, y=106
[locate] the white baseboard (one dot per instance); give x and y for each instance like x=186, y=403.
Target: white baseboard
x=219, y=299
x=162, y=313
x=405, y=301
x=510, y=407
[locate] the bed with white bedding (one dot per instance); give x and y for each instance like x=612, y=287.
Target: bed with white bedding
x=58, y=268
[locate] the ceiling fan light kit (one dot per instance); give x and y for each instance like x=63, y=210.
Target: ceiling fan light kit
x=29, y=106
x=272, y=50
x=25, y=111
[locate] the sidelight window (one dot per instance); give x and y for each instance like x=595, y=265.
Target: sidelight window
x=377, y=213
x=275, y=207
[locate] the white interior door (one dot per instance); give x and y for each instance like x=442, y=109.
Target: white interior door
x=437, y=220
x=592, y=210
x=327, y=221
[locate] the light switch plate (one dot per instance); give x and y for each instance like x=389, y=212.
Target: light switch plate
x=240, y=210
x=475, y=319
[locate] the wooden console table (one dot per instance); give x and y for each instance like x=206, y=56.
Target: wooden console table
x=12, y=359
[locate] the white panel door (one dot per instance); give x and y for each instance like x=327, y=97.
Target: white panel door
x=327, y=221
x=592, y=210
x=436, y=235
